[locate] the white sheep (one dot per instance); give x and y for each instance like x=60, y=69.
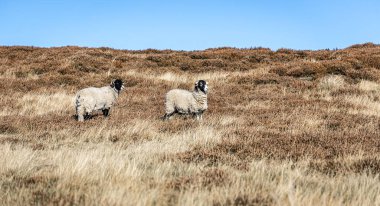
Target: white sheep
x=185, y=102
x=91, y=99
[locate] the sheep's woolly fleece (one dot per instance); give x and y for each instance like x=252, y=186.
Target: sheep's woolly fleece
x=91, y=99
x=186, y=102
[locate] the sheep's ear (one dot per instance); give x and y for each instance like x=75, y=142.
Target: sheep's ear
x=112, y=83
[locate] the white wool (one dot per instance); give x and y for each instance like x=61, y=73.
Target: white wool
x=91, y=99
x=186, y=102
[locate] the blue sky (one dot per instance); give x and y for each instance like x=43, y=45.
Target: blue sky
x=190, y=24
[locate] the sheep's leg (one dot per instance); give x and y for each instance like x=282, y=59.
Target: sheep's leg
x=80, y=114
x=168, y=115
x=169, y=111
x=106, y=112
x=80, y=118
x=201, y=115
x=87, y=115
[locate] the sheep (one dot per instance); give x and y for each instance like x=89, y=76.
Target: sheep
x=91, y=99
x=186, y=102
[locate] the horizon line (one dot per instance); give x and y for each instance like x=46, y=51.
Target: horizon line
x=194, y=50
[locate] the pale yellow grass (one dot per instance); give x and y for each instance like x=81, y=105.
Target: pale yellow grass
x=122, y=176
x=366, y=85
x=40, y=104
x=365, y=105
x=254, y=104
x=10, y=75
x=177, y=78
x=331, y=82
x=135, y=173
x=118, y=170
x=325, y=86
x=229, y=120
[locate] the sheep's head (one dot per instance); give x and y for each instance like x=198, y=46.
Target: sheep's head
x=201, y=85
x=117, y=84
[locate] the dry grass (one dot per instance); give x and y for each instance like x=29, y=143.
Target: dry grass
x=283, y=128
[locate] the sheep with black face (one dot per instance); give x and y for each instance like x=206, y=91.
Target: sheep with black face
x=180, y=101
x=92, y=98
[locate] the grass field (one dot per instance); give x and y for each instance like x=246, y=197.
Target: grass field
x=283, y=127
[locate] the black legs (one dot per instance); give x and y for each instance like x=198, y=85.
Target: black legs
x=106, y=112
x=167, y=116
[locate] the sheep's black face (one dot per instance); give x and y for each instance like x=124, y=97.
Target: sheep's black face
x=118, y=84
x=202, y=85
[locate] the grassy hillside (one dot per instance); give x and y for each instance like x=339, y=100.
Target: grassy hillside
x=283, y=127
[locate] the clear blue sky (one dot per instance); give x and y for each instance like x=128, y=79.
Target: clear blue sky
x=190, y=24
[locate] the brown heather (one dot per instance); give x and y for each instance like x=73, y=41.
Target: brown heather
x=283, y=127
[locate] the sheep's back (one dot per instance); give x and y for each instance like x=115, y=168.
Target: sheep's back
x=93, y=97
x=90, y=92
x=179, y=98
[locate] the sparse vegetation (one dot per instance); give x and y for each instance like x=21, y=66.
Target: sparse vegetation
x=296, y=128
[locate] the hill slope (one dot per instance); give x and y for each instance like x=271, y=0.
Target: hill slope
x=283, y=127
